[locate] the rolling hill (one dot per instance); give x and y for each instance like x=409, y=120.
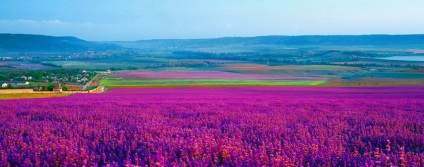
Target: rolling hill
x=311, y=40
x=24, y=42
x=27, y=43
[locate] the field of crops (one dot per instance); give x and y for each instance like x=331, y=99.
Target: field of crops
x=246, y=126
x=204, y=79
x=30, y=95
x=124, y=82
x=207, y=75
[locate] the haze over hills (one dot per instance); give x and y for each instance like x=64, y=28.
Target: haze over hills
x=336, y=40
x=26, y=42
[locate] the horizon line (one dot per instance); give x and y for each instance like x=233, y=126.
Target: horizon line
x=152, y=39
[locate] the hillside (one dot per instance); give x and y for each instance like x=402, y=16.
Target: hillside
x=313, y=40
x=24, y=42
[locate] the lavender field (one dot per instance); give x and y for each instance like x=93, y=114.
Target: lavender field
x=237, y=126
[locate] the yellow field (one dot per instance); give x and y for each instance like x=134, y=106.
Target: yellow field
x=374, y=82
x=31, y=95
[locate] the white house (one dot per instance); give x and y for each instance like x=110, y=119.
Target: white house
x=16, y=83
x=84, y=79
x=22, y=83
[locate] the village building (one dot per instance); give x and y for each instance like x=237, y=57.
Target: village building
x=23, y=83
x=57, y=86
x=84, y=79
x=6, y=58
x=13, y=83
x=57, y=89
x=43, y=87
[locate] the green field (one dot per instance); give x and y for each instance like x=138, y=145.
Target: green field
x=124, y=82
x=90, y=64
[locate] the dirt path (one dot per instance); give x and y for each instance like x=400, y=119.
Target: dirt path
x=94, y=82
x=89, y=83
x=100, y=89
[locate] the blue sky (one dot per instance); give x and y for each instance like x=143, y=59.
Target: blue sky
x=103, y=20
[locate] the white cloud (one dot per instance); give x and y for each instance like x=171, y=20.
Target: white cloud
x=55, y=21
x=32, y=22
x=24, y=22
x=54, y=27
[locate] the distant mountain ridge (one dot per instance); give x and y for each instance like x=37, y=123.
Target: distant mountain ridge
x=339, y=40
x=26, y=42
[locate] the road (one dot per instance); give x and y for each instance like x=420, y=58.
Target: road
x=92, y=80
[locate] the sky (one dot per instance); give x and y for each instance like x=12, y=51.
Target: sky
x=127, y=20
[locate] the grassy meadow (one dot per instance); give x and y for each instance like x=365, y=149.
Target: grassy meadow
x=121, y=82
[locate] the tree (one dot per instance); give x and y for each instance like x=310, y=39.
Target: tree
x=50, y=87
x=9, y=86
x=132, y=68
x=64, y=88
